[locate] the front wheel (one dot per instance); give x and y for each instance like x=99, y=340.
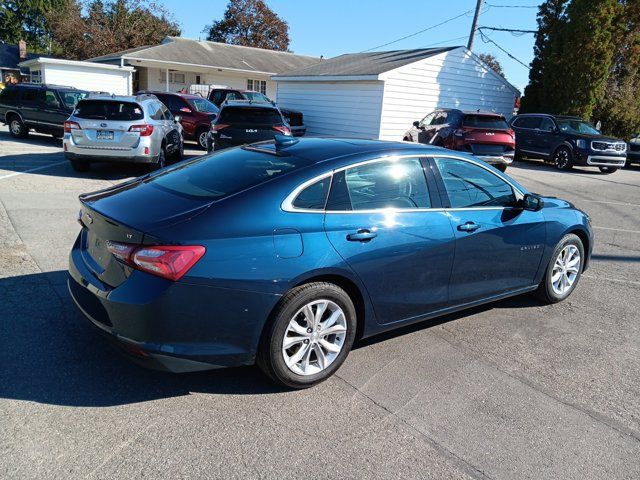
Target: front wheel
x=563, y=271
x=310, y=335
x=17, y=128
x=607, y=170
x=563, y=159
x=202, y=138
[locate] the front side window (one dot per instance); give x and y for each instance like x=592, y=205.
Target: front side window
x=546, y=125
x=428, y=119
x=314, y=196
x=392, y=184
x=469, y=185
x=577, y=126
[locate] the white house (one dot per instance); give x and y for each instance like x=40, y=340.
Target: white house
x=82, y=75
x=380, y=94
x=179, y=63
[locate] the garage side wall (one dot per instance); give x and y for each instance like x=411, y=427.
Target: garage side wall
x=454, y=79
x=343, y=109
x=92, y=79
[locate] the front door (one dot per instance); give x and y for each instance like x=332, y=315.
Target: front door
x=379, y=219
x=498, y=246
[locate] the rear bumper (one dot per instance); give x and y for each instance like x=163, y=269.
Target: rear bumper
x=174, y=326
x=106, y=158
x=497, y=160
x=137, y=154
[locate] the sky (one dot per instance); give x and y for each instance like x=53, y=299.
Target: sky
x=334, y=27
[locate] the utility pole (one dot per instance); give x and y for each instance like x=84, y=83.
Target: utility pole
x=474, y=25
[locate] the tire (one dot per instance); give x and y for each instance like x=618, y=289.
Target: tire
x=307, y=370
x=80, y=165
x=162, y=160
x=178, y=155
x=547, y=292
x=501, y=167
x=201, y=138
x=17, y=129
x=563, y=158
x=517, y=155
x=607, y=170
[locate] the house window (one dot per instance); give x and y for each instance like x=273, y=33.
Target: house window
x=36, y=76
x=257, y=85
x=198, y=81
x=174, y=77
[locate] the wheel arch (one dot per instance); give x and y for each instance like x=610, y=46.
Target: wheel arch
x=10, y=113
x=586, y=243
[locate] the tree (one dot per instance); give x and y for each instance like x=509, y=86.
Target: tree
x=492, y=62
x=548, y=47
x=85, y=30
x=26, y=20
x=250, y=23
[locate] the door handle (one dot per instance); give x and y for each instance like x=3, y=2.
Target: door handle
x=362, y=235
x=468, y=227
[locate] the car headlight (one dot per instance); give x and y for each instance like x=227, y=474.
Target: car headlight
x=581, y=143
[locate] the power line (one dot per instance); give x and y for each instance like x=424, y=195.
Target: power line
x=444, y=41
x=486, y=39
x=419, y=32
x=513, y=31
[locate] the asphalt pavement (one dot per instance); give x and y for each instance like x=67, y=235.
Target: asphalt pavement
x=508, y=391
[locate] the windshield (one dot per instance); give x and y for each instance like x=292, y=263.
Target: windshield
x=108, y=110
x=203, y=105
x=485, y=121
x=577, y=126
x=222, y=174
x=72, y=97
x=257, y=97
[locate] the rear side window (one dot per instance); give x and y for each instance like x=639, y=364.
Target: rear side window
x=469, y=185
x=218, y=176
x=381, y=185
x=30, y=95
x=527, y=122
x=108, y=110
x=485, y=121
x=9, y=95
x=252, y=115
x=314, y=196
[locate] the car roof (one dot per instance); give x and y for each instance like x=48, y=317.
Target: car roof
x=39, y=85
x=177, y=94
x=122, y=98
x=559, y=117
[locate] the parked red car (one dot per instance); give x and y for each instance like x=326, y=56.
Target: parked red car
x=196, y=114
x=486, y=135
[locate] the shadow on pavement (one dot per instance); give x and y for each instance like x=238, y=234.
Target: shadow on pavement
x=34, y=139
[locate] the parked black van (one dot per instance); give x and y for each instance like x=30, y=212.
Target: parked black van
x=567, y=142
x=39, y=107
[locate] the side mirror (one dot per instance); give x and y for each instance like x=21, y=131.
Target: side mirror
x=533, y=203
x=416, y=123
x=177, y=118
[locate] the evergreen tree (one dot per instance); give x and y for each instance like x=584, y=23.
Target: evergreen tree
x=26, y=20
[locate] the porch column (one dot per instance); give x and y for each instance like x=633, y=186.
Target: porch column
x=167, y=79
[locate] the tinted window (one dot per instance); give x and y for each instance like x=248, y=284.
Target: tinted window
x=203, y=105
x=469, y=185
x=108, y=110
x=485, y=121
x=440, y=119
x=314, y=196
x=577, y=126
x=225, y=173
x=217, y=96
x=174, y=103
x=389, y=184
x=244, y=115
x=29, y=95
x=547, y=125
x=9, y=94
x=49, y=98
x=527, y=122
x=428, y=119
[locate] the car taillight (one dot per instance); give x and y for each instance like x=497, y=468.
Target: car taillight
x=216, y=127
x=512, y=133
x=282, y=129
x=166, y=261
x=69, y=125
x=144, y=130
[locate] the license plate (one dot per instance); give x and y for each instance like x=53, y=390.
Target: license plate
x=104, y=135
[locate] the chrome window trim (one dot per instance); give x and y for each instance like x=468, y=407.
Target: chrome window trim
x=287, y=204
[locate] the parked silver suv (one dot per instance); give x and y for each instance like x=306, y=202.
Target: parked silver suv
x=136, y=129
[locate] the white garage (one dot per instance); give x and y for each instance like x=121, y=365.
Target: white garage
x=95, y=77
x=379, y=94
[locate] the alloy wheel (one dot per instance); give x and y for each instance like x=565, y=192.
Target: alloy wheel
x=314, y=337
x=562, y=158
x=16, y=128
x=565, y=270
x=202, y=139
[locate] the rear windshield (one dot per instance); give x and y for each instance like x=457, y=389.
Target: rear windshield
x=254, y=115
x=484, y=121
x=203, y=105
x=72, y=97
x=257, y=97
x=108, y=110
x=225, y=173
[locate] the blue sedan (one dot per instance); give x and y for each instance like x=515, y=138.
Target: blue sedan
x=282, y=254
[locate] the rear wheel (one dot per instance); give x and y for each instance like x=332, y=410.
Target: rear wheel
x=607, y=170
x=17, y=128
x=80, y=165
x=201, y=136
x=309, y=336
x=502, y=167
x=563, y=271
x=562, y=158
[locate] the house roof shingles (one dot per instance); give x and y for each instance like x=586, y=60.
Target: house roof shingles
x=10, y=56
x=364, y=64
x=215, y=55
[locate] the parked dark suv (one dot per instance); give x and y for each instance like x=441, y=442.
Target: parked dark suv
x=294, y=118
x=241, y=122
x=39, y=107
x=196, y=113
x=567, y=142
x=486, y=135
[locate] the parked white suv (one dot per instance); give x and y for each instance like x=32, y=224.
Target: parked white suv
x=136, y=129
